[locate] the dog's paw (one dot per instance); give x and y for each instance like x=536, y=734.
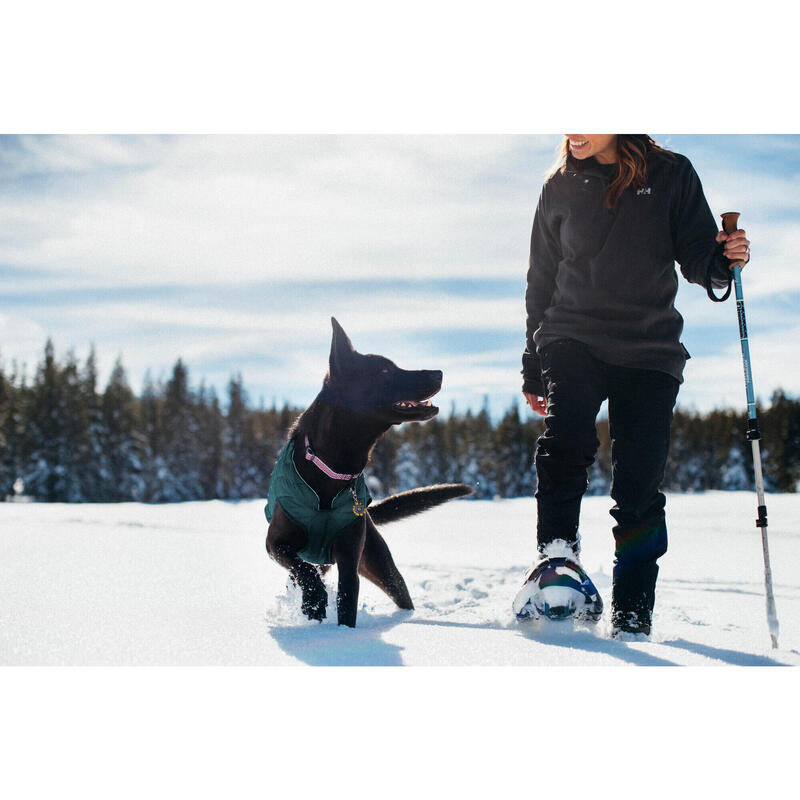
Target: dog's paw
x=315, y=604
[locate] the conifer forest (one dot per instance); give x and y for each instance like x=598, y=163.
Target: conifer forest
x=63, y=438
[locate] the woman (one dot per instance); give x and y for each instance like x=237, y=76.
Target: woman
x=612, y=219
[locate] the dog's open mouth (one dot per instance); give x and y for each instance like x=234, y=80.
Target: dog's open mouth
x=415, y=407
x=408, y=404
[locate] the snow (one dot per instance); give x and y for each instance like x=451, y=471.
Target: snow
x=190, y=584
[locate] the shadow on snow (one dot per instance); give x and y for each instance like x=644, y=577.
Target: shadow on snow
x=327, y=644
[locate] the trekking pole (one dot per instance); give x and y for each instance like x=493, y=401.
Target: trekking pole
x=729, y=221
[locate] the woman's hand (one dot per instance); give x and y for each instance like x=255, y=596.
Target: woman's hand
x=737, y=246
x=537, y=404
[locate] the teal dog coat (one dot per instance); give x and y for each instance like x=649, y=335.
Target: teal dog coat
x=301, y=504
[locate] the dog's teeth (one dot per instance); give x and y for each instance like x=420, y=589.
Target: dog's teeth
x=413, y=403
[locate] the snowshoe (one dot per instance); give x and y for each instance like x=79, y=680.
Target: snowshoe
x=558, y=588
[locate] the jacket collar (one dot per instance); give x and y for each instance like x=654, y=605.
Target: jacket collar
x=589, y=167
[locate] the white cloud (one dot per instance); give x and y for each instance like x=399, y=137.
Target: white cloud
x=21, y=339
x=773, y=269
x=399, y=311
x=76, y=155
x=718, y=380
x=229, y=209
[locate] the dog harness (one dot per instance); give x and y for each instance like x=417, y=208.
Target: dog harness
x=301, y=504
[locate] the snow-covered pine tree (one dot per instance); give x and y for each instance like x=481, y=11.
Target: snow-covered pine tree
x=381, y=470
x=452, y=449
x=158, y=481
x=268, y=429
x=210, y=423
x=407, y=471
x=7, y=466
x=44, y=471
x=735, y=475
x=14, y=422
x=125, y=443
x=241, y=478
x=780, y=428
x=435, y=460
x=421, y=448
x=684, y=472
x=532, y=429
x=180, y=454
x=94, y=474
x=476, y=453
x=75, y=456
x=512, y=455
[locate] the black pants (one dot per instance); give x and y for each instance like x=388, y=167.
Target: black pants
x=640, y=405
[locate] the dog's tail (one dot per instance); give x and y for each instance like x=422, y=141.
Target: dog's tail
x=402, y=505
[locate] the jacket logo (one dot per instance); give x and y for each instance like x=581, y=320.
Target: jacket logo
x=648, y=190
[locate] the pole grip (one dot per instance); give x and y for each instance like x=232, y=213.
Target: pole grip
x=729, y=225
x=729, y=221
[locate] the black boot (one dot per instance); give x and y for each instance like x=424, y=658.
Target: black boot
x=633, y=598
x=630, y=622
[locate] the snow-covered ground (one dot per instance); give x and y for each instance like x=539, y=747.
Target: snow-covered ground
x=190, y=584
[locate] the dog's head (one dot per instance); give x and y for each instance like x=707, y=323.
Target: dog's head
x=374, y=384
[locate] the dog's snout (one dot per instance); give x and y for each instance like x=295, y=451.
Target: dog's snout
x=431, y=380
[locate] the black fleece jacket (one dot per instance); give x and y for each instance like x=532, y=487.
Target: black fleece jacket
x=606, y=277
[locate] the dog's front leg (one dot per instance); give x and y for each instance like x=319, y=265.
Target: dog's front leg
x=284, y=538
x=347, y=551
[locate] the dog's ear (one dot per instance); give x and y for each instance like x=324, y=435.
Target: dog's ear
x=341, y=348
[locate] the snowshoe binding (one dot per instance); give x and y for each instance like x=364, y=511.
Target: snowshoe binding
x=558, y=588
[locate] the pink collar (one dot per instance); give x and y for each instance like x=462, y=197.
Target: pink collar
x=321, y=465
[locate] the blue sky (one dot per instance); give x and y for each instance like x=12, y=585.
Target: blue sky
x=233, y=252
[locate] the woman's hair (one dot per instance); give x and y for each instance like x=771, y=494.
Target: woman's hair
x=632, y=151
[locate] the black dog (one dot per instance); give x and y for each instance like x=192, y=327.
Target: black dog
x=317, y=496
